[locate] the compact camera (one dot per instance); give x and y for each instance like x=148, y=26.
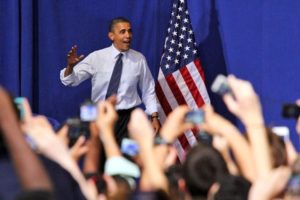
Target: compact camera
x=88, y=111
x=195, y=117
x=129, y=147
x=220, y=85
x=205, y=138
x=290, y=111
x=18, y=101
x=76, y=129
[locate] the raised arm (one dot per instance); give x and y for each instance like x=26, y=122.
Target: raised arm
x=28, y=167
x=140, y=130
x=246, y=106
x=215, y=124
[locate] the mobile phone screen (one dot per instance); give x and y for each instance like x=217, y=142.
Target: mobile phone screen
x=195, y=117
x=129, y=147
x=88, y=112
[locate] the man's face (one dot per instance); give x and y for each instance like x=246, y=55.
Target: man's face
x=121, y=36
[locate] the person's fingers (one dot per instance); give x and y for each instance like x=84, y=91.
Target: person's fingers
x=75, y=50
x=208, y=111
x=79, y=142
x=81, y=57
x=139, y=126
x=44, y=122
x=187, y=126
x=27, y=110
x=63, y=134
x=230, y=103
x=112, y=99
x=171, y=157
x=101, y=108
x=79, y=148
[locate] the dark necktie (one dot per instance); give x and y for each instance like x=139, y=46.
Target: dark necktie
x=115, y=78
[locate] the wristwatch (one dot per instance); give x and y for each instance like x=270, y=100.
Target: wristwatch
x=155, y=116
x=158, y=140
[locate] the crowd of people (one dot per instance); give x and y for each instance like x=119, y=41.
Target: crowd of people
x=255, y=165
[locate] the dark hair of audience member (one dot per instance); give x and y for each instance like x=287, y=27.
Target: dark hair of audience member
x=232, y=188
x=35, y=195
x=124, y=191
x=278, y=149
x=150, y=195
x=203, y=165
x=174, y=175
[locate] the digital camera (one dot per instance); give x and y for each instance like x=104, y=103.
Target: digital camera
x=195, y=117
x=129, y=147
x=88, y=111
x=220, y=85
x=76, y=129
x=290, y=111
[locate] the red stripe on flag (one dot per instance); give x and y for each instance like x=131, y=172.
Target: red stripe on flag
x=199, y=68
x=195, y=132
x=167, y=109
x=162, y=99
x=192, y=86
x=181, y=101
x=175, y=90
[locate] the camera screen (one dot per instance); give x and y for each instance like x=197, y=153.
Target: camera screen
x=195, y=117
x=290, y=111
x=129, y=147
x=88, y=112
x=220, y=85
x=76, y=129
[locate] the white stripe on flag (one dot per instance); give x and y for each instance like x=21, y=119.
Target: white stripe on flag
x=185, y=91
x=199, y=82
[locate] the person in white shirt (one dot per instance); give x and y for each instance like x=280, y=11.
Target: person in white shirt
x=99, y=66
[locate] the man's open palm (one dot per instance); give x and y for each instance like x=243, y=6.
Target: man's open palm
x=73, y=58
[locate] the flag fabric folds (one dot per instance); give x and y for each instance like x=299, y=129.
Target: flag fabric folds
x=181, y=77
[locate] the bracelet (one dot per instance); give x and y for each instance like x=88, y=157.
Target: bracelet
x=158, y=140
x=155, y=116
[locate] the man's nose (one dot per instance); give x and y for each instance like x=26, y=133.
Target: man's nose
x=128, y=34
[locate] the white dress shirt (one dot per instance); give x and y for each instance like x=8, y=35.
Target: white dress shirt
x=99, y=65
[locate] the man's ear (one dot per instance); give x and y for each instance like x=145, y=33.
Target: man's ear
x=182, y=185
x=111, y=36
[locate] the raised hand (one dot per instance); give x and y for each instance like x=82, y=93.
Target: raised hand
x=72, y=59
x=245, y=104
x=175, y=125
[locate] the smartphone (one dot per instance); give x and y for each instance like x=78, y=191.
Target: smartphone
x=18, y=101
x=129, y=147
x=220, y=85
x=195, y=117
x=76, y=129
x=205, y=138
x=88, y=111
x=282, y=131
x=290, y=111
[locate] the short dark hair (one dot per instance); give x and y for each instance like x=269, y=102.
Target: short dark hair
x=232, y=188
x=203, y=165
x=116, y=20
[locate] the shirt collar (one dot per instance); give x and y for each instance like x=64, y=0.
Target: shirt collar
x=116, y=52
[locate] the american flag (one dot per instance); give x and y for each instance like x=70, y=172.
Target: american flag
x=181, y=77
